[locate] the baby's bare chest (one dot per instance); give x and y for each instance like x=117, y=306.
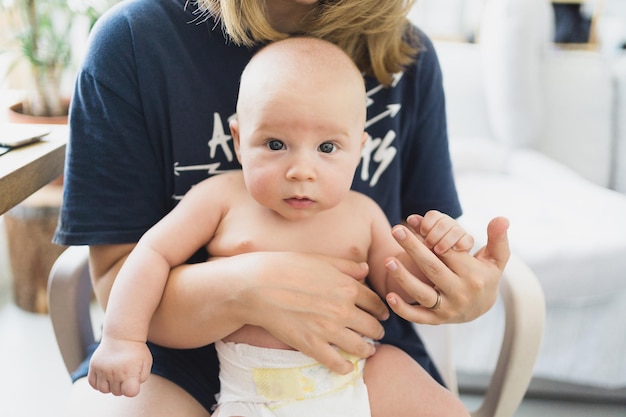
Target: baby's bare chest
x=246, y=230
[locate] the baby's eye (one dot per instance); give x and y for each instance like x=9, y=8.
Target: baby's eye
x=275, y=145
x=327, y=147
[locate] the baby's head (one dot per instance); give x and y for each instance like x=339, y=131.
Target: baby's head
x=300, y=114
x=307, y=68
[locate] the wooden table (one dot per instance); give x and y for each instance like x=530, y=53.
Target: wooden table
x=26, y=169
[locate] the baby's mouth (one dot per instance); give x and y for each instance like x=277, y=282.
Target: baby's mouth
x=299, y=202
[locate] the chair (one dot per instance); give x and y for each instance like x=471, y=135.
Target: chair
x=70, y=295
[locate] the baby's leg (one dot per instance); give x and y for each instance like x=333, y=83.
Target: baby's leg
x=399, y=386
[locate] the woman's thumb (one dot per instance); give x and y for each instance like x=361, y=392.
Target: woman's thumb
x=497, y=249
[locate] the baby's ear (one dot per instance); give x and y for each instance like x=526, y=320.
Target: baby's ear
x=364, y=139
x=234, y=131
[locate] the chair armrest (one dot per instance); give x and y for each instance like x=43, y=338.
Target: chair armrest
x=524, y=305
x=69, y=297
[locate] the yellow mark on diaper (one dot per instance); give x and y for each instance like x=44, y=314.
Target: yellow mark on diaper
x=282, y=384
x=299, y=383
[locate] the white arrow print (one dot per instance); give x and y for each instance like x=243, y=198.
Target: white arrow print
x=396, y=79
x=392, y=110
x=210, y=168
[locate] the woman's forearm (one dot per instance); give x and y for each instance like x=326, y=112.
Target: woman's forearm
x=200, y=304
x=308, y=302
x=285, y=293
x=195, y=308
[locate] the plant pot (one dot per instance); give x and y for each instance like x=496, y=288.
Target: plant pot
x=15, y=114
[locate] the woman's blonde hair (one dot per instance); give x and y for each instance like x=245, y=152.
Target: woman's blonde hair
x=375, y=33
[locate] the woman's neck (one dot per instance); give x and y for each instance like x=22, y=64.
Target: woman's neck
x=286, y=15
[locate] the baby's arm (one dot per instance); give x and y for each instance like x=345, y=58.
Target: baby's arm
x=123, y=361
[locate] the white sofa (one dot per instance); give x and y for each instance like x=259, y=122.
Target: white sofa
x=539, y=135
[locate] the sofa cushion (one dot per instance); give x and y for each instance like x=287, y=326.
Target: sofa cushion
x=564, y=227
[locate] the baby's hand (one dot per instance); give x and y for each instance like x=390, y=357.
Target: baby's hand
x=120, y=367
x=441, y=232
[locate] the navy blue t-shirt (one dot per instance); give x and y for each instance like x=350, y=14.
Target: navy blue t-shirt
x=149, y=119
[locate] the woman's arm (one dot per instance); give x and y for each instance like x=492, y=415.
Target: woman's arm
x=307, y=301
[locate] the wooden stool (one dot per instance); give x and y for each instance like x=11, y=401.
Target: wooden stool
x=30, y=227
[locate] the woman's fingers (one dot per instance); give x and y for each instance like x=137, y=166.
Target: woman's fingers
x=366, y=298
x=432, y=267
x=430, y=306
x=420, y=291
x=329, y=354
x=313, y=303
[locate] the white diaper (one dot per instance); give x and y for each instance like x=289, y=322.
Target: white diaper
x=263, y=382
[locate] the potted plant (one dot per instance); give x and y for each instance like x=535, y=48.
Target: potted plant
x=41, y=33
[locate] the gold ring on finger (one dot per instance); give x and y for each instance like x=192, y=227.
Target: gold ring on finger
x=437, y=303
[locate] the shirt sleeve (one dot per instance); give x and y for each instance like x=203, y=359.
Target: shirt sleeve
x=114, y=185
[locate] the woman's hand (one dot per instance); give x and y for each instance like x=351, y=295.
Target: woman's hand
x=316, y=303
x=465, y=286
x=307, y=301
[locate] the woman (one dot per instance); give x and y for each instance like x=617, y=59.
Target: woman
x=149, y=120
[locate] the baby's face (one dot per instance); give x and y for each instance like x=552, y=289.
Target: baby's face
x=300, y=145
